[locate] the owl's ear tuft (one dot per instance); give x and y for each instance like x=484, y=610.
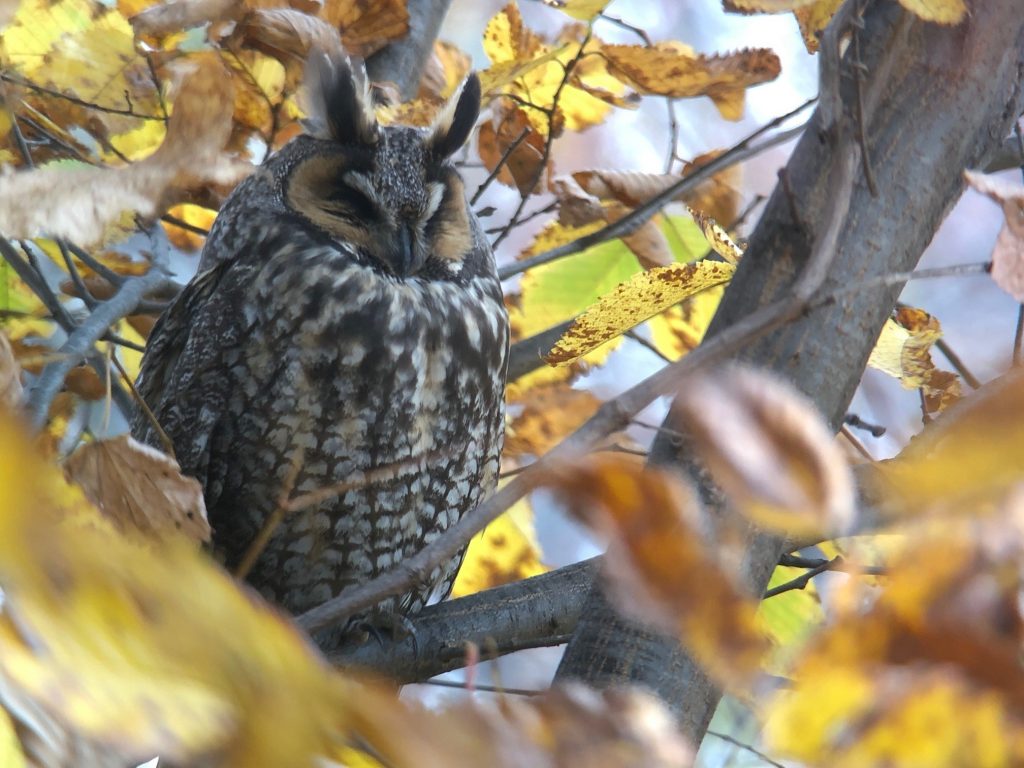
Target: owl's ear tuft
x=456, y=119
x=338, y=99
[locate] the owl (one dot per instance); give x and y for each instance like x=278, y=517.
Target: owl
x=338, y=361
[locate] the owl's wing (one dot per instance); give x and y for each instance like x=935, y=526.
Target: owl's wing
x=183, y=379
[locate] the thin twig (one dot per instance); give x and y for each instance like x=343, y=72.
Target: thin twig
x=165, y=441
x=81, y=340
x=273, y=520
x=483, y=688
x=1018, y=338
x=857, y=445
x=502, y=161
x=74, y=100
x=642, y=213
x=737, y=743
x=958, y=364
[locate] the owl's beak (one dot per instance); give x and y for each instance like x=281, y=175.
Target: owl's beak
x=408, y=259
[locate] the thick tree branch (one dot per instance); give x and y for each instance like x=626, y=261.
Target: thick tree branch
x=532, y=613
x=935, y=100
x=402, y=62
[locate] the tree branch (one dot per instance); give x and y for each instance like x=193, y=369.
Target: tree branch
x=80, y=342
x=936, y=100
x=402, y=62
x=533, y=613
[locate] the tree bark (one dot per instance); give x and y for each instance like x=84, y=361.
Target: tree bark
x=402, y=62
x=935, y=100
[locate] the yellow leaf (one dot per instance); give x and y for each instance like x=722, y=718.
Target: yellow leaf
x=506, y=550
x=766, y=6
x=558, y=291
x=81, y=203
x=584, y=10
x=86, y=49
x=654, y=547
x=717, y=237
x=631, y=303
x=967, y=457
x=533, y=70
x=903, y=352
x=194, y=215
x=813, y=19
x=672, y=69
x=939, y=11
x=125, y=644
x=680, y=329
x=549, y=414
x=925, y=673
x=11, y=755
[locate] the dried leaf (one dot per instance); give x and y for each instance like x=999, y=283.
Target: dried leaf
x=549, y=414
x=510, y=136
x=769, y=450
x=647, y=242
x=655, y=553
x=139, y=488
x=7, y=10
x=903, y=350
x=284, y=32
x=446, y=68
x=965, y=459
x=168, y=18
x=642, y=297
x=366, y=26
x=565, y=727
x=717, y=237
x=672, y=69
x=10, y=376
x=80, y=203
x=507, y=550
x=1008, y=253
x=813, y=19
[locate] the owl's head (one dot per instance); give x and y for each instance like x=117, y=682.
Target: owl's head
x=390, y=192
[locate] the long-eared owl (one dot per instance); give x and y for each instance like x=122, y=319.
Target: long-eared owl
x=343, y=344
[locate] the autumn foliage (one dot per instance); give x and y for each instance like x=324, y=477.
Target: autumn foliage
x=123, y=127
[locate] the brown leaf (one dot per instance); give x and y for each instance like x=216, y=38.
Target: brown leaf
x=658, y=566
x=903, y=350
x=283, y=32
x=1008, y=253
x=366, y=26
x=445, y=69
x=86, y=383
x=522, y=168
x=549, y=413
x=10, y=376
x=139, y=488
x=168, y=18
x=565, y=727
x=674, y=70
x=80, y=203
x=769, y=450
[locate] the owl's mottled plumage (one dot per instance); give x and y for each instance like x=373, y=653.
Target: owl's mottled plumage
x=346, y=325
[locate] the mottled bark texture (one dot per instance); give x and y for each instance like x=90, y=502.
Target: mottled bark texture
x=935, y=100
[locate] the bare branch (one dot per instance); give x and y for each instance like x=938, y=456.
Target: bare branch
x=80, y=342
